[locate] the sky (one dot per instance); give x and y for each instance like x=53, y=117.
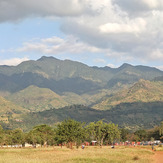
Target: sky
x=95, y=32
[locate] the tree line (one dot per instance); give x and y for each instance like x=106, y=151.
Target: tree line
x=70, y=132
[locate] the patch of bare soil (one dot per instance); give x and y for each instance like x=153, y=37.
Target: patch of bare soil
x=158, y=157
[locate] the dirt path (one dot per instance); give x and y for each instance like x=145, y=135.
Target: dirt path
x=158, y=157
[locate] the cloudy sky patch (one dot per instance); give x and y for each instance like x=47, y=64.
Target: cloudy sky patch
x=114, y=31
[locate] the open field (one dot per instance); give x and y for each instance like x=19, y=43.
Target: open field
x=88, y=155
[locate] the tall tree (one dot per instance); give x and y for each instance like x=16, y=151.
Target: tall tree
x=18, y=137
x=103, y=132
x=42, y=134
x=70, y=131
x=113, y=133
x=124, y=133
x=141, y=134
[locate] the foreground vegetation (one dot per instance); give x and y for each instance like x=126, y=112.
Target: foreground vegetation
x=70, y=132
x=90, y=154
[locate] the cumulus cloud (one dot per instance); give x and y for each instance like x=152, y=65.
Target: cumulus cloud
x=128, y=30
x=13, y=61
x=134, y=26
x=159, y=67
x=56, y=45
x=13, y=10
x=137, y=7
x=112, y=65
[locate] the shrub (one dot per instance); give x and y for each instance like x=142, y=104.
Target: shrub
x=135, y=158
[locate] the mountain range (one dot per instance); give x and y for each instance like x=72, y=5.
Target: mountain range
x=49, y=84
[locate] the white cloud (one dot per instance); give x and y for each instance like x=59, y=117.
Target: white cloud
x=13, y=10
x=13, y=61
x=134, y=26
x=111, y=65
x=160, y=67
x=139, y=7
x=128, y=30
x=156, y=55
x=56, y=45
x=152, y=4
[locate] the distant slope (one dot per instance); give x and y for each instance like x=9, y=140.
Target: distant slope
x=9, y=110
x=128, y=74
x=37, y=99
x=130, y=115
x=142, y=91
x=160, y=78
x=70, y=76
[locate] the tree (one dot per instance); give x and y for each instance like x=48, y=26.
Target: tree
x=42, y=134
x=100, y=132
x=154, y=132
x=70, y=131
x=18, y=137
x=8, y=137
x=124, y=133
x=141, y=134
x=103, y=132
x=113, y=133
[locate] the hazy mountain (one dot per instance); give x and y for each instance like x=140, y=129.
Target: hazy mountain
x=69, y=76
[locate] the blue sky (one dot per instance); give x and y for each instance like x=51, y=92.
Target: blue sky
x=97, y=33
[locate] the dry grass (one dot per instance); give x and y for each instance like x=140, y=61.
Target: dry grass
x=65, y=155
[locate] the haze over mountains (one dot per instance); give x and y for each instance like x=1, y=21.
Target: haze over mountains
x=50, y=83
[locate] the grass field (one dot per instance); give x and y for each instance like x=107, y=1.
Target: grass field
x=65, y=155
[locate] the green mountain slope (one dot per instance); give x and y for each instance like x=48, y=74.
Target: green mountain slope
x=70, y=76
x=130, y=115
x=9, y=110
x=142, y=91
x=37, y=99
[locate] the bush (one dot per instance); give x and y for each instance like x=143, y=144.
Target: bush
x=160, y=145
x=135, y=158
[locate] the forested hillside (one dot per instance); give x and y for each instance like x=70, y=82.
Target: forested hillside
x=45, y=91
x=142, y=91
x=129, y=115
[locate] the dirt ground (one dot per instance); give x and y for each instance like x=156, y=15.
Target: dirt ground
x=158, y=157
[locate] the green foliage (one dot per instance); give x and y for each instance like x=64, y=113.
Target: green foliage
x=124, y=133
x=42, y=134
x=127, y=115
x=18, y=137
x=153, y=133
x=141, y=134
x=70, y=131
x=103, y=132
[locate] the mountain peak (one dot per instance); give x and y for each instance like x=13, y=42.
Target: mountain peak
x=125, y=65
x=43, y=58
